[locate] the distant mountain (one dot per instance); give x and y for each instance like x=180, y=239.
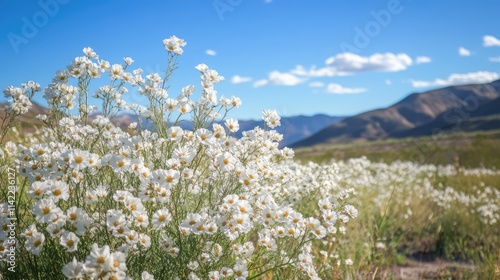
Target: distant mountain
x=416, y=115
x=466, y=118
x=294, y=128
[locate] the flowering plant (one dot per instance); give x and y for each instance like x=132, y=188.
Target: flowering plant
x=99, y=202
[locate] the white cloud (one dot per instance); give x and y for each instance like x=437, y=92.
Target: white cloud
x=463, y=51
x=280, y=79
x=236, y=79
x=460, y=79
x=341, y=65
x=284, y=79
x=338, y=89
x=495, y=59
x=353, y=63
x=490, y=41
x=299, y=70
x=260, y=83
x=423, y=59
x=388, y=82
x=211, y=52
x=316, y=84
x=350, y=63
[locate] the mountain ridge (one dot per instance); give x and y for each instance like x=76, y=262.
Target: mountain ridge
x=411, y=112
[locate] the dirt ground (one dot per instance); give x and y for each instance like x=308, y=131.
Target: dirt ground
x=437, y=269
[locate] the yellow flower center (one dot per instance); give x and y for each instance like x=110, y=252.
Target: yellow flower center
x=78, y=159
x=37, y=243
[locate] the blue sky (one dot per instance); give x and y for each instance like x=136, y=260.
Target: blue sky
x=300, y=57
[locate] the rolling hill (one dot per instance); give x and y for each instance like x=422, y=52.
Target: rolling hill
x=418, y=114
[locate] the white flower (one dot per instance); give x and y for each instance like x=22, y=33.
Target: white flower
x=145, y=240
x=202, y=67
x=104, y=65
x=146, y=276
x=161, y=218
x=70, y=241
x=128, y=60
x=193, y=265
x=34, y=244
x=214, y=275
x=99, y=258
x=55, y=229
x=58, y=190
x=232, y=125
x=271, y=118
x=226, y=272
x=116, y=71
x=38, y=189
x=351, y=211
x=174, y=44
x=90, y=53
x=29, y=231
x=226, y=161
x=10, y=148
x=343, y=218
x=73, y=269
x=45, y=210
x=77, y=159
x=185, y=107
x=240, y=272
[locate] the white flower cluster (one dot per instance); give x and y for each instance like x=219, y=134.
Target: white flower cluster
x=19, y=98
x=406, y=180
x=194, y=202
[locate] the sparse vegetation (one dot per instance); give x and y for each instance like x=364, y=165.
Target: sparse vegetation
x=473, y=150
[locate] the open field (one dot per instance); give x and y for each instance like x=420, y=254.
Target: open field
x=478, y=149
x=439, y=242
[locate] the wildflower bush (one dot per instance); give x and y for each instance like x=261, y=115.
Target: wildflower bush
x=411, y=211
x=158, y=201
x=95, y=201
